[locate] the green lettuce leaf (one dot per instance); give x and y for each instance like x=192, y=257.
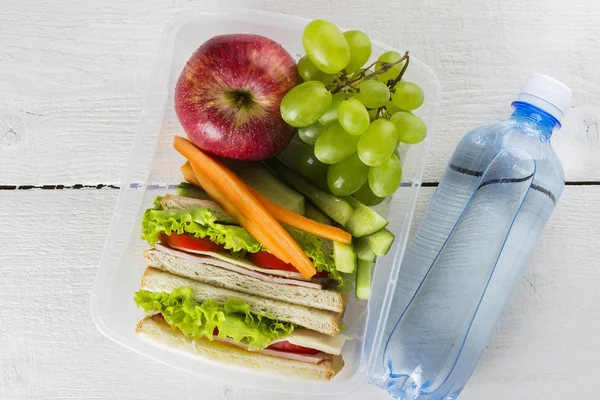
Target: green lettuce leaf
x=314, y=249
x=198, y=222
x=199, y=320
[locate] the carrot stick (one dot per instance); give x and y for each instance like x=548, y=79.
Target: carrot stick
x=302, y=223
x=284, y=215
x=227, y=189
x=188, y=174
x=218, y=194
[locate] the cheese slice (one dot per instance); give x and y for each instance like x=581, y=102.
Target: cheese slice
x=318, y=341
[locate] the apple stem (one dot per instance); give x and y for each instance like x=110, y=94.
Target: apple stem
x=385, y=66
x=239, y=102
x=239, y=98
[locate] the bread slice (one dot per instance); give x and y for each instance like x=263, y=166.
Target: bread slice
x=326, y=322
x=156, y=329
x=174, y=202
x=201, y=270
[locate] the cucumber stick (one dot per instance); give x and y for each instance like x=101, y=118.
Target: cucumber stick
x=335, y=207
x=381, y=242
x=317, y=215
x=262, y=180
x=344, y=257
x=185, y=189
x=364, y=221
x=363, y=280
x=363, y=249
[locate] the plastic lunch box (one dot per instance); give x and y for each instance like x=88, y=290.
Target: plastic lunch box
x=153, y=169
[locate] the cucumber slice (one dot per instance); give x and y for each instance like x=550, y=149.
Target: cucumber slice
x=263, y=181
x=315, y=214
x=364, y=221
x=363, y=280
x=344, y=257
x=185, y=189
x=381, y=242
x=363, y=250
x=333, y=206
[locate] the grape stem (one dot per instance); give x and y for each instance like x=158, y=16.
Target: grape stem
x=385, y=66
x=401, y=74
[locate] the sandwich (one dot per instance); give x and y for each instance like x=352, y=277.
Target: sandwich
x=213, y=290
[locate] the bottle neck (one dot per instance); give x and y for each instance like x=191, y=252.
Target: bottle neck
x=534, y=118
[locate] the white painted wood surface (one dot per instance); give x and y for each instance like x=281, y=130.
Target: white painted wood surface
x=545, y=347
x=72, y=79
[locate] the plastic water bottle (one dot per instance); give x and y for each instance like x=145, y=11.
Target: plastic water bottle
x=495, y=197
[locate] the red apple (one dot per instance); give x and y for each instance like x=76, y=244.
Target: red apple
x=228, y=95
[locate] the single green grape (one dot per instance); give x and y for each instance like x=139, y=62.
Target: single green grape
x=331, y=115
x=353, y=116
x=409, y=128
x=392, y=73
x=377, y=143
x=326, y=46
x=308, y=166
x=408, y=95
x=335, y=144
x=366, y=196
x=347, y=176
x=373, y=94
x=373, y=114
x=304, y=104
x=308, y=72
x=309, y=134
x=391, y=108
x=385, y=178
x=301, y=158
x=327, y=79
x=360, y=49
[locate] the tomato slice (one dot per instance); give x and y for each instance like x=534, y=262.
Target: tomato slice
x=191, y=243
x=268, y=260
x=322, y=274
x=291, y=348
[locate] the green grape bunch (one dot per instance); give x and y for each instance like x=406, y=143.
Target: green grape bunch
x=353, y=116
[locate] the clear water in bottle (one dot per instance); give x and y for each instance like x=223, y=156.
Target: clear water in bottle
x=494, y=199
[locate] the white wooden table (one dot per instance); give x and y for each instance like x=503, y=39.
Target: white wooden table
x=72, y=78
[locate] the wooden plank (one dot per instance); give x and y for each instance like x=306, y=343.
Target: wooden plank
x=544, y=346
x=74, y=76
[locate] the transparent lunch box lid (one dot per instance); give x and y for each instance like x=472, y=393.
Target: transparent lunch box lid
x=153, y=169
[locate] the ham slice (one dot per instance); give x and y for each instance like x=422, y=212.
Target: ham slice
x=241, y=267
x=307, y=358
